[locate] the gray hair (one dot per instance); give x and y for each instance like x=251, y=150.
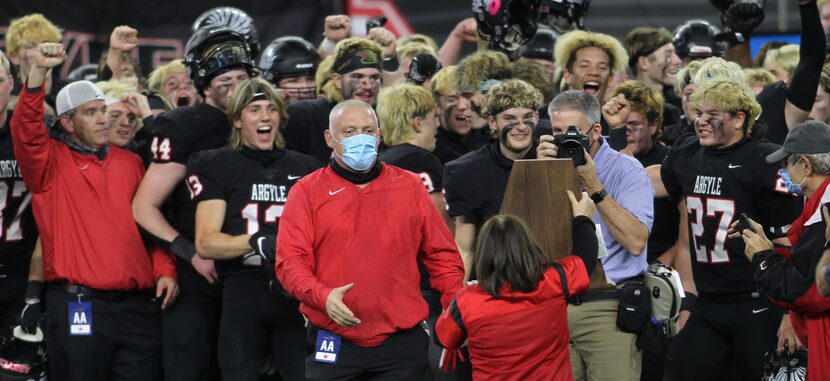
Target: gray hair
x=821, y=161
x=579, y=101
x=338, y=109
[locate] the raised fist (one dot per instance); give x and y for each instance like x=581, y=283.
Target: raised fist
x=467, y=30
x=123, y=38
x=615, y=111
x=337, y=27
x=744, y=17
x=49, y=55
x=385, y=38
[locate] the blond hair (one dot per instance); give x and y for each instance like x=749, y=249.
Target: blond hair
x=686, y=76
x=824, y=79
x=162, y=73
x=443, y=81
x=412, y=49
x=531, y=72
x=344, y=47
x=729, y=96
x=323, y=74
x=116, y=89
x=242, y=96
x=512, y=93
x=716, y=67
x=481, y=66
x=4, y=63
x=758, y=77
x=644, y=101
x=33, y=28
x=571, y=42
x=418, y=38
x=397, y=108
x=787, y=56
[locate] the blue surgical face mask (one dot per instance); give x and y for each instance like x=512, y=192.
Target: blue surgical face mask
x=788, y=182
x=359, y=151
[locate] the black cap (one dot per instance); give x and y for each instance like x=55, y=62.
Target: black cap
x=804, y=138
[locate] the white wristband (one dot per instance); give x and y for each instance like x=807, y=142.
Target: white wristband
x=328, y=45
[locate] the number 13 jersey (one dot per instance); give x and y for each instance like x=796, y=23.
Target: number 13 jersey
x=718, y=184
x=254, y=185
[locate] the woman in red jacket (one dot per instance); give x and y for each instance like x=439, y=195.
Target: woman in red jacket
x=515, y=318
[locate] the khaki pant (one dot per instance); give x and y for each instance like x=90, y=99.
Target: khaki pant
x=599, y=350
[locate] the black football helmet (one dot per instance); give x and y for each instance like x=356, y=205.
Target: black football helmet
x=87, y=72
x=785, y=366
x=22, y=357
x=541, y=46
x=290, y=56
x=507, y=25
x=698, y=39
x=287, y=57
x=564, y=15
x=213, y=50
x=233, y=18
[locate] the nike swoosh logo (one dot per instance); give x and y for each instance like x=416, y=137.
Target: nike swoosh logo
x=84, y=167
x=332, y=193
x=731, y=166
x=293, y=177
x=754, y=311
x=259, y=243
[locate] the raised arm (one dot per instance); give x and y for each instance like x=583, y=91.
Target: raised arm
x=801, y=91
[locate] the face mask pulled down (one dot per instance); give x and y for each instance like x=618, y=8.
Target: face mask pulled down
x=359, y=151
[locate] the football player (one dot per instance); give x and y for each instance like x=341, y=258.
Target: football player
x=241, y=190
x=716, y=175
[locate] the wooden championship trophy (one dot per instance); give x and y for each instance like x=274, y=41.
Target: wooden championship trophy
x=536, y=194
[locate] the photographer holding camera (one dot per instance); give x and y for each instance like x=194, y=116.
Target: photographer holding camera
x=621, y=189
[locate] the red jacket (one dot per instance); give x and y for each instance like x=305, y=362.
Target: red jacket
x=82, y=207
x=518, y=336
x=333, y=233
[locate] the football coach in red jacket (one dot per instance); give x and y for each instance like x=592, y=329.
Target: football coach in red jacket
x=347, y=246
x=103, y=321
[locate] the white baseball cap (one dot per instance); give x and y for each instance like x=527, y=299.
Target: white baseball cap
x=76, y=94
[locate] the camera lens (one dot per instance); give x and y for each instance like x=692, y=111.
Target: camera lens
x=572, y=149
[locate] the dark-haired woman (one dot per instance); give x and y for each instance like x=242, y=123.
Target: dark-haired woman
x=515, y=318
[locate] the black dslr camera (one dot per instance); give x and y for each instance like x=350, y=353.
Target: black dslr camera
x=572, y=145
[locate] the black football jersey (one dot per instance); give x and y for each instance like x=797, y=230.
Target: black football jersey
x=178, y=134
x=719, y=185
x=450, y=146
x=307, y=122
x=254, y=189
x=417, y=160
x=474, y=184
x=19, y=233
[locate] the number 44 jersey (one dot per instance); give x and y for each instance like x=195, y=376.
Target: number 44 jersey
x=718, y=184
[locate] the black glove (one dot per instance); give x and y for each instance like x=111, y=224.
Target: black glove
x=264, y=245
x=183, y=248
x=32, y=311
x=744, y=17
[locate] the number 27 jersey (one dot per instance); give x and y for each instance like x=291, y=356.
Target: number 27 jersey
x=718, y=185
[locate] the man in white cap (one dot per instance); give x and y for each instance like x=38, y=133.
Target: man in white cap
x=102, y=312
